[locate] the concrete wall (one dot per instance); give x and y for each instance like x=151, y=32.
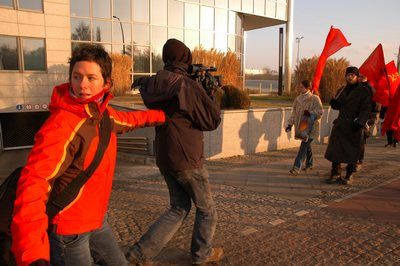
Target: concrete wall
x=250, y=131
x=33, y=87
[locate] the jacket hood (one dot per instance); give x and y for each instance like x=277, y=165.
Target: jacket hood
x=62, y=98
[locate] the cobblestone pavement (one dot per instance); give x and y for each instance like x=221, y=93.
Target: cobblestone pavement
x=261, y=226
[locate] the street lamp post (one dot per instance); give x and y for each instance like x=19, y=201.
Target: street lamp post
x=298, y=39
x=122, y=32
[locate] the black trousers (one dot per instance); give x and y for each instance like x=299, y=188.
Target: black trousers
x=337, y=169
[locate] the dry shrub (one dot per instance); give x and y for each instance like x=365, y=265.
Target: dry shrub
x=332, y=78
x=234, y=98
x=227, y=64
x=121, y=73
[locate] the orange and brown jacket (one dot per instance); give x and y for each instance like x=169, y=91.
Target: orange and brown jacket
x=64, y=146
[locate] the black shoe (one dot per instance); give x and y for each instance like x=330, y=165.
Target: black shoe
x=333, y=178
x=394, y=145
x=348, y=180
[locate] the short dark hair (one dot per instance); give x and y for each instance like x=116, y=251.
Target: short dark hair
x=92, y=53
x=306, y=83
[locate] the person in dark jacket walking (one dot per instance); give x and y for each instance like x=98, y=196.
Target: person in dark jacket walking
x=354, y=104
x=179, y=156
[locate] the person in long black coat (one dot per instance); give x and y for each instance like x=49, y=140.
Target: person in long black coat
x=345, y=142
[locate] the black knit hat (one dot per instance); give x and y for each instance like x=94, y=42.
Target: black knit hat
x=176, y=51
x=354, y=70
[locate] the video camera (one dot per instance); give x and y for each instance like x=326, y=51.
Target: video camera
x=202, y=75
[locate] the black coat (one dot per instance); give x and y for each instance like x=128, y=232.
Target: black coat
x=345, y=141
x=179, y=142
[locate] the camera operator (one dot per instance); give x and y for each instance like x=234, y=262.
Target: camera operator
x=179, y=156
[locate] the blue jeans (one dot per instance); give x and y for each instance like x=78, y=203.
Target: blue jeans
x=184, y=187
x=305, y=153
x=80, y=249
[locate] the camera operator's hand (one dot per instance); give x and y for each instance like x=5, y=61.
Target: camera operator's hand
x=288, y=128
x=306, y=113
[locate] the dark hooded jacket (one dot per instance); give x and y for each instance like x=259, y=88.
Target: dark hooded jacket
x=179, y=142
x=354, y=105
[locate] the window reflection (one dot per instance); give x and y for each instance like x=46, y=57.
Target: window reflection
x=238, y=44
x=101, y=31
x=192, y=16
x=122, y=49
x=238, y=24
x=156, y=59
x=31, y=4
x=221, y=20
x=122, y=35
x=175, y=13
x=259, y=7
x=207, y=18
x=207, y=39
x=101, y=8
x=232, y=22
x=79, y=8
x=158, y=35
x=159, y=14
x=141, y=34
x=6, y=3
x=8, y=53
x=80, y=29
x=231, y=42
x=122, y=9
x=141, y=10
x=141, y=59
x=175, y=33
x=221, y=41
x=191, y=38
x=34, y=54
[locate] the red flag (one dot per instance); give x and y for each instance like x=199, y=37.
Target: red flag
x=394, y=78
x=334, y=42
x=374, y=69
x=392, y=116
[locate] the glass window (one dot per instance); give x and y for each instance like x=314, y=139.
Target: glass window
x=238, y=44
x=121, y=49
x=192, y=38
x=206, y=18
x=247, y=6
x=156, y=59
x=141, y=34
x=281, y=11
x=6, y=3
x=175, y=33
x=221, y=3
x=8, y=53
x=270, y=8
x=101, y=8
x=221, y=42
x=31, y=4
x=122, y=9
x=80, y=29
x=259, y=7
x=232, y=22
x=231, y=43
x=238, y=24
x=221, y=20
x=141, y=59
x=235, y=5
x=175, y=13
x=34, y=54
x=158, y=35
x=159, y=12
x=79, y=8
x=101, y=31
x=192, y=16
x=207, y=39
x=141, y=10
x=107, y=47
x=207, y=2
x=122, y=32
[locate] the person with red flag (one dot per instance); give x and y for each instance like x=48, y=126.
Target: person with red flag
x=334, y=42
x=354, y=104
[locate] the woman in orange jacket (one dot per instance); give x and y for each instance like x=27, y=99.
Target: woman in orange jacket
x=63, y=147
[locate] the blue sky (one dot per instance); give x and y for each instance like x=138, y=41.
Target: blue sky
x=365, y=23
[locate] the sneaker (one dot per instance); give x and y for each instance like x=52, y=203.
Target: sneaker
x=294, y=171
x=216, y=255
